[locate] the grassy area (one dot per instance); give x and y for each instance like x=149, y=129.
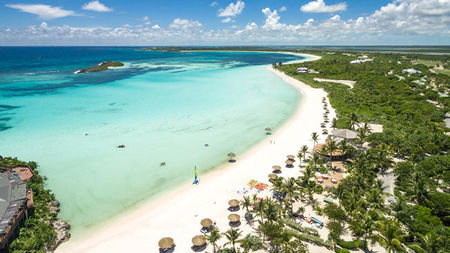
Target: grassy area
x=428, y=63
x=443, y=71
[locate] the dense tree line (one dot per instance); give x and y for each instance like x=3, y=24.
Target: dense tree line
x=414, y=132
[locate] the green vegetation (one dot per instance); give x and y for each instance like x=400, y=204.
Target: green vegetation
x=414, y=132
x=37, y=233
x=102, y=67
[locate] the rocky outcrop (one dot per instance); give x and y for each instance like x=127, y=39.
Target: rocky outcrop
x=61, y=227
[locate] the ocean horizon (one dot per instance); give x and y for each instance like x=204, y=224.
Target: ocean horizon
x=164, y=107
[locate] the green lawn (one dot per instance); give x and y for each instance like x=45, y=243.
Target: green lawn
x=443, y=71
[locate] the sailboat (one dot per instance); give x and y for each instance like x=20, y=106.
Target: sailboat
x=195, y=177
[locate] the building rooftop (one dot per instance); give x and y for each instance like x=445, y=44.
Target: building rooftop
x=13, y=195
x=345, y=133
x=24, y=173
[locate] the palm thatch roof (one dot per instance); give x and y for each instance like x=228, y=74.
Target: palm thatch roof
x=165, y=243
x=206, y=223
x=234, y=217
x=198, y=240
x=233, y=202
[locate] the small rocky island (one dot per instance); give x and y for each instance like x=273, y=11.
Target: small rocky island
x=101, y=67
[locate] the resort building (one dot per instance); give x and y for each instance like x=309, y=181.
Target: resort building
x=412, y=71
x=15, y=200
x=360, y=61
x=306, y=70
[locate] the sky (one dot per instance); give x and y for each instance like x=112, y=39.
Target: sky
x=224, y=22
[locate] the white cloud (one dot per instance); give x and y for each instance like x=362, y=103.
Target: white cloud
x=399, y=22
x=96, y=6
x=226, y=20
x=320, y=6
x=184, y=24
x=282, y=9
x=42, y=10
x=232, y=10
x=214, y=4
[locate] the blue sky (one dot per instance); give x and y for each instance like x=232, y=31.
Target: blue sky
x=231, y=22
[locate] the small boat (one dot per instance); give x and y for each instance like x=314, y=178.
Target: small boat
x=162, y=164
x=121, y=146
x=206, y=145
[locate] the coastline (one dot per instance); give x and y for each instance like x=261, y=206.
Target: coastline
x=178, y=212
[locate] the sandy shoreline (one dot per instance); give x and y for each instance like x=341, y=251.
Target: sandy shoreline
x=178, y=213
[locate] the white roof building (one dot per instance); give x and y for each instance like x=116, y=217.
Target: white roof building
x=412, y=71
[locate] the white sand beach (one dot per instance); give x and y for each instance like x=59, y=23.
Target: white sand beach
x=178, y=213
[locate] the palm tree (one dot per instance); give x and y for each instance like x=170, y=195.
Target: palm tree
x=246, y=203
x=304, y=150
x=390, y=235
x=315, y=138
x=251, y=242
x=271, y=211
x=316, y=160
x=213, y=237
x=353, y=120
x=331, y=147
x=232, y=236
x=291, y=189
x=429, y=243
x=418, y=188
x=334, y=123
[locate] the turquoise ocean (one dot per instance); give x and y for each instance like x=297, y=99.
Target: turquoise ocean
x=163, y=106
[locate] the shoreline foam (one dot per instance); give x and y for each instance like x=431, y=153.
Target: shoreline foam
x=177, y=214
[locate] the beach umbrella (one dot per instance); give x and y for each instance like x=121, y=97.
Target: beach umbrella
x=290, y=157
x=233, y=203
x=234, y=217
x=166, y=243
x=273, y=176
x=198, y=240
x=206, y=223
x=231, y=155
x=276, y=167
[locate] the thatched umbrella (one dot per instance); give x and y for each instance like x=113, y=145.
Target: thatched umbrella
x=198, y=240
x=289, y=162
x=231, y=155
x=166, y=243
x=323, y=124
x=291, y=157
x=233, y=203
x=276, y=167
x=273, y=176
x=234, y=217
x=206, y=223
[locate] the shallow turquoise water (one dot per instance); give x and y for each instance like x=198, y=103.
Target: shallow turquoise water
x=167, y=115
